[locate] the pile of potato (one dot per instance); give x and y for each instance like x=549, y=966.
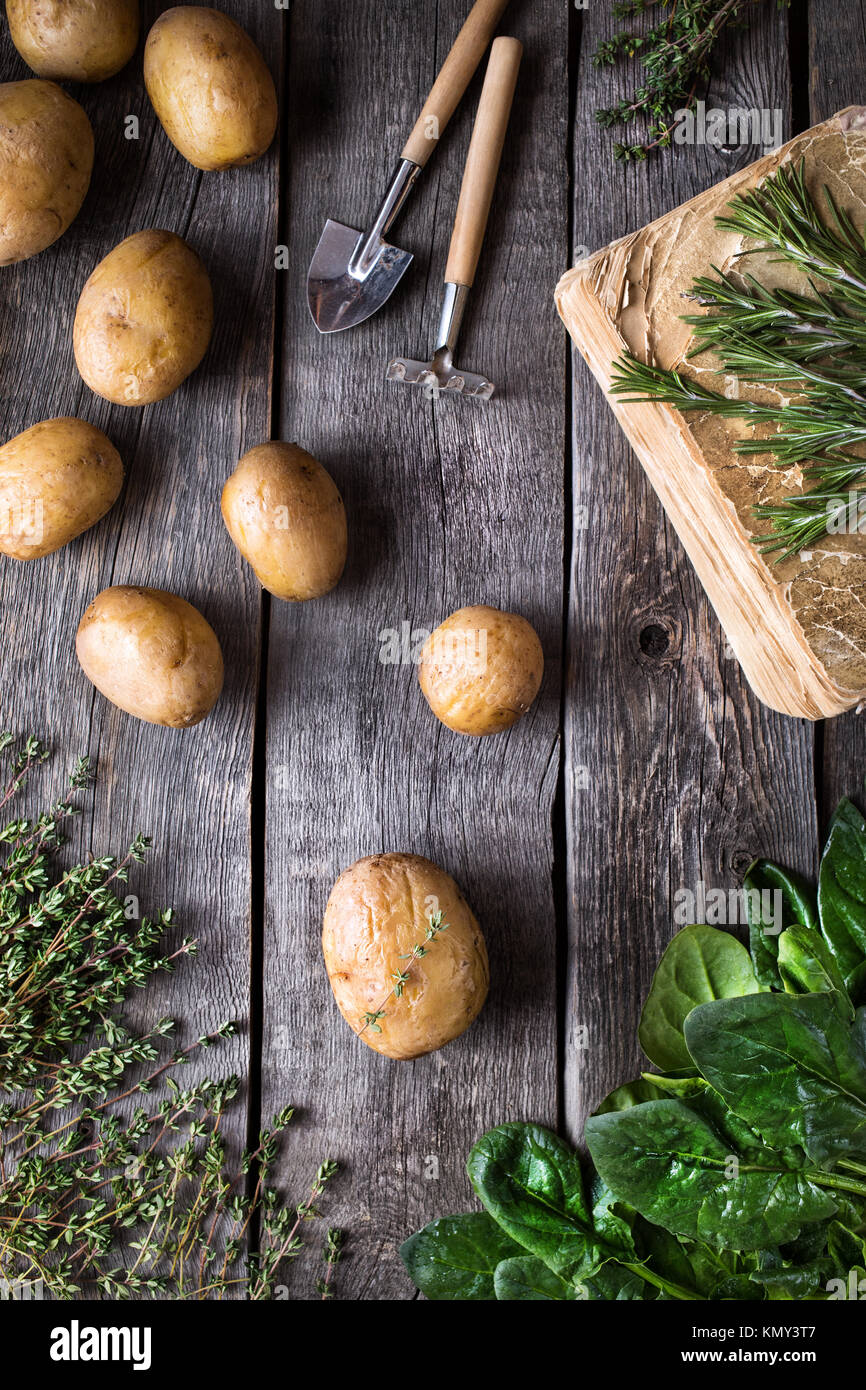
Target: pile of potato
x=142, y=325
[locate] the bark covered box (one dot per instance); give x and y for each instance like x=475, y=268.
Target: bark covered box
x=798, y=627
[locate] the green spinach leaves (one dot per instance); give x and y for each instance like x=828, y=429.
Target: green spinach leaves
x=737, y=1169
x=700, y=964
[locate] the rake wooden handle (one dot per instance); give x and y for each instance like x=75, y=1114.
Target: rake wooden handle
x=482, y=161
x=454, y=77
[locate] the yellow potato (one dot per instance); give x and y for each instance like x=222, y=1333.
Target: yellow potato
x=46, y=159
x=481, y=670
x=74, y=40
x=286, y=517
x=210, y=87
x=144, y=319
x=152, y=654
x=56, y=480
x=378, y=911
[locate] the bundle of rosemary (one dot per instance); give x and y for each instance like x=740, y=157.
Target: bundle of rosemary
x=812, y=345
x=112, y=1186
x=675, y=56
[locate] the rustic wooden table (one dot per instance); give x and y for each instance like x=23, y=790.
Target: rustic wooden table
x=645, y=766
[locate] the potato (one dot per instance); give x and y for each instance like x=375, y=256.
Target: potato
x=286, y=517
x=144, y=319
x=481, y=670
x=74, y=40
x=152, y=654
x=378, y=911
x=210, y=87
x=56, y=480
x=46, y=159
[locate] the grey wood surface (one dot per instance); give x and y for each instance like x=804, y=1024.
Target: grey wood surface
x=674, y=774
x=837, y=67
x=645, y=766
x=449, y=503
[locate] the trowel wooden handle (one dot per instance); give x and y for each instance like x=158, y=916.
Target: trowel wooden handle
x=454, y=77
x=482, y=161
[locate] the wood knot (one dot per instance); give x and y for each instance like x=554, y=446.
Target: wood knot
x=654, y=640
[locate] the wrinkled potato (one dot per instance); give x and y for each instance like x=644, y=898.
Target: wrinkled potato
x=74, y=40
x=56, y=480
x=46, y=159
x=152, y=654
x=481, y=670
x=144, y=319
x=286, y=517
x=210, y=87
x=378, y=911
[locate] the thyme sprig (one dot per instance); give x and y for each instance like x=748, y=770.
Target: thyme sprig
x=401, y=977
x=331, y=1254
x=115, y=1181
x=812, y=344
x=675, y=57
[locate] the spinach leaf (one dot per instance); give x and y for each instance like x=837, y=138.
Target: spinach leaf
x=669, y=1163
x=682, y=1086
x=531, y=1184
x=615, y=1283
x=611, y=1219
x=782, y=1280
x=701, y=963
x=738, y=1289
x=632, y=1093
x=799, y=907
x=528, y=1279
x=808, y=966
x=648, y=1086
x=856, y=983
x=689, y=1264
x=741, y=1138
x=847, y=1247
x=456, y=1257
x=842, y=888
x=790, y=1065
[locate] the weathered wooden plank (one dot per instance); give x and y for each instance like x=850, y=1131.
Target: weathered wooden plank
x=448, y=503
x=190, y=789
x=675, y=775
x=837, y=78
x=837, y=56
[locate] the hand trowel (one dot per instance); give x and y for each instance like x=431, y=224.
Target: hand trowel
x=470, y=224
x=353, y=272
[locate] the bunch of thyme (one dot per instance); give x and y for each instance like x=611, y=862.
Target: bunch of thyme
x=675, y=56
x=811, y=344
x=113, y=1179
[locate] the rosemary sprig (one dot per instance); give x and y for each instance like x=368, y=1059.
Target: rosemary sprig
x=813, y=345
x=102, y=1153
x=800, y=522
x=675, y=57
x=401, y=977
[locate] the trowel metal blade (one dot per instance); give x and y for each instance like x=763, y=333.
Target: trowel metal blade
x=338, y=296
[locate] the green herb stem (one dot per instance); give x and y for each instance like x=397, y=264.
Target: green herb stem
x=821, y=1179
x=666, y=1286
